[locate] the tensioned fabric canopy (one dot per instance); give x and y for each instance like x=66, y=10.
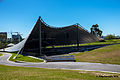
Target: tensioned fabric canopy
x=43, y=35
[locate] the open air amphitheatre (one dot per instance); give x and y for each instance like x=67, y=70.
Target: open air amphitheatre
x=63, y=48
x=72, y=52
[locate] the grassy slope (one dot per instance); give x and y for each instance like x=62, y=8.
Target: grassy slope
x=24, y=73
x=24, y=58
x=108, y=54
x=114, y=41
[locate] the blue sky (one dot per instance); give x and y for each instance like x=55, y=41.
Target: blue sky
x=21, y=15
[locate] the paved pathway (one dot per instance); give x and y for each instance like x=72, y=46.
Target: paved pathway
x=63, y=65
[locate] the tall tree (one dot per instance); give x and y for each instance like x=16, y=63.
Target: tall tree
x=95, y=30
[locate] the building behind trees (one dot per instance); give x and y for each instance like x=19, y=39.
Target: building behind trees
x=3, y=36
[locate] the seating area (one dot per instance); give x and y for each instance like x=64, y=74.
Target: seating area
x=60, y=59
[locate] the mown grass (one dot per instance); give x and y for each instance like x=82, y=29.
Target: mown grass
x=24, y=73
x=1, y=54
x=113, y=41
x=107, y=55
x=24, y=58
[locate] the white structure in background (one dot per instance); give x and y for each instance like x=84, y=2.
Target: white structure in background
x=10, y=45
x=16, y=37
x=16, y=47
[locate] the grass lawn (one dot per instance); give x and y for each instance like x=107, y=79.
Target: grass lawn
x=24, y=73
x=107, y=55
x=113, y=41
x=1, y=54
x=24, y=58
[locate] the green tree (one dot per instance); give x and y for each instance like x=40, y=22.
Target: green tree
x=110, y=36
x=95, y=30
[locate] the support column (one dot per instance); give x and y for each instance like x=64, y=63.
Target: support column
x=40, y=37
x=77, y=37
